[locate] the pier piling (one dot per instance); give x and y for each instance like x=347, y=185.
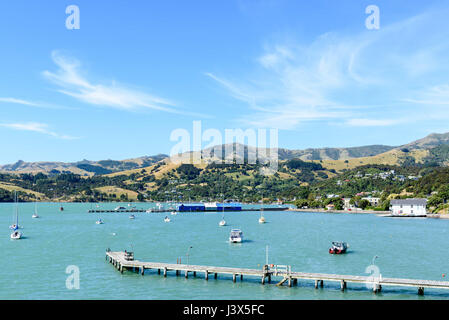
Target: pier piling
x=121, y=262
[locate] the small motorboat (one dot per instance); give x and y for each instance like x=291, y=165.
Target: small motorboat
x=262, y=220
x=174, y=213
x=16, y=235
x=236, y=236
x=167, y=219
x=222, y=223
x=149, y=211
x=119, y=209
x=99, y=221
x=338, y=248
x=132, y=216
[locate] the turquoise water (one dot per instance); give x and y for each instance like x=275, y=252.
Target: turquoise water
x=34, y=267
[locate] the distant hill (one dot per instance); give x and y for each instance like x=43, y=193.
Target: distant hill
x=84, y=168
x=332, y=158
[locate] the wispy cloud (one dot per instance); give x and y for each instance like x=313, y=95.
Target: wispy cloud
x=18, y=101
x=72, y=83
x=372, y=122
x=339, y=76
x=45, y=105
x=36, y=127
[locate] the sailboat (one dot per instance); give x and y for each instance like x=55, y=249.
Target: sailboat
x=262, y=218
x=16, y=234
x=222, y=223
x=35, y=215
x=99, y=221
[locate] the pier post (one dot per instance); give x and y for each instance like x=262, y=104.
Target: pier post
x=142, y=270
x=321, y=283
x=158, y=271
x=121, y=268
x=289, y=281
x=241, y=277
x=377, y=288
x=194, y=273
x=316, y=284
x=263, y=279
x=233, y=277
x=421, y=291
x=177, y=272
x=215, y=276
x=343, y=285
x=186, y=274
x=165, y=272
x=295, y=282
x=269, y=278
x=206, y=275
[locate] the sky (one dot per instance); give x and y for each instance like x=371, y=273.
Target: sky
x=136, y=71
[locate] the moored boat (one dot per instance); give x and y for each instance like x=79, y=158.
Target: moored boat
x=338, y=247
x=236, y=236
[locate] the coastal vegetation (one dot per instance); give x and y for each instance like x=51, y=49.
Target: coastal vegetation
x=418, y=169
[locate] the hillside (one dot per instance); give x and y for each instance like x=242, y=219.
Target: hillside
x=159, y=178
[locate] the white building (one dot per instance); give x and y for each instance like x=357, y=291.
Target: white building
x=374, y=202
x=408, y=207
x=347, y=205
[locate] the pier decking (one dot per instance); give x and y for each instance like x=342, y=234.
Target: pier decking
x=123, y=261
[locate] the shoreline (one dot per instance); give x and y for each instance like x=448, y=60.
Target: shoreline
x=340, y=211
x=379, y=213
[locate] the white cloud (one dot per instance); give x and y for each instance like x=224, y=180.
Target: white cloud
x=372, y=122
x=18, y=101
x=35, y=127
x=68, y=77
x=337, y=76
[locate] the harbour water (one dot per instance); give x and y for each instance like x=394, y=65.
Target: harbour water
x=35, y=266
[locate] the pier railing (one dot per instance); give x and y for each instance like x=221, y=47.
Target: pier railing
x=122, y=261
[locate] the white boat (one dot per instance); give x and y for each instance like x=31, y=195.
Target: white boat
x=167, y=219
x=132, y=216
x=120, y=208
x=236, y=236
x=149, y=211
x=16, y=235
x=174, y=213
x=262, y=218
x=35, y=215
x=99, y=221
x=222, y=223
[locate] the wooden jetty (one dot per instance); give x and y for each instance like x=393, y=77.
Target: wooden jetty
x=170, y=210
x=125, y=261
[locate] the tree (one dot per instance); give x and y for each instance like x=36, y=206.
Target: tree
x=364, y=203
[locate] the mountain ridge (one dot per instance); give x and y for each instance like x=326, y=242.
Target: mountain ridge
x=90, y=168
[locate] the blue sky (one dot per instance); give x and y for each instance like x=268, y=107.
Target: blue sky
x=135, y=71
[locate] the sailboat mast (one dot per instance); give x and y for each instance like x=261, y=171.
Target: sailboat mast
x=17, y=211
